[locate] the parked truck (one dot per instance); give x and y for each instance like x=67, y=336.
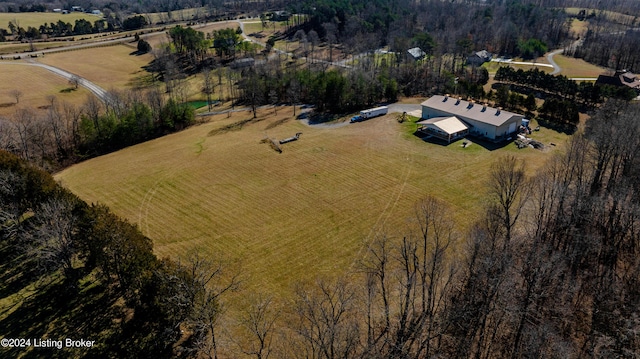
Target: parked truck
x=370, y=113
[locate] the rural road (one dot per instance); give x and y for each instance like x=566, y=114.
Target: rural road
x=101, y=93
x=556, y=68
x=509, y=61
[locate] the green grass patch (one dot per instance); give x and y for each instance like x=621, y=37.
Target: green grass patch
x=197, y=104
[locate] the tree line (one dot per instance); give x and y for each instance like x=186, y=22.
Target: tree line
x=562, y=94
x=80, y=27
x=66, y=133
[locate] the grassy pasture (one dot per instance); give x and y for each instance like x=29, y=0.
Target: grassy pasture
x=108, y=67
x=609, y=15
x=287, y=217
x=579, y=28
x=36, y=84
x=572, y=67
x=177, y=15
x=35, y=19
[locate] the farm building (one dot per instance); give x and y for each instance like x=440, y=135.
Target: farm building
x=445, y=128
x=480, y=119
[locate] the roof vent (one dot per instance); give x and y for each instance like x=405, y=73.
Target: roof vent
x=498, y=112
x=446, y=97
x=484, y=107
x=471, y=103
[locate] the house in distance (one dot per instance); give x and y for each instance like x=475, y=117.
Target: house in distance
x=620, y=78
x=478, y=58
x=450, y=118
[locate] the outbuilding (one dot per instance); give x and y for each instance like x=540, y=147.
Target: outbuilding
x=481, y=120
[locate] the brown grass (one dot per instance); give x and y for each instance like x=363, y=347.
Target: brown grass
x=609, y=15
x=108, y=67
x=36, y=84
x=579, y=28
x=572, y=67
x=288, y=217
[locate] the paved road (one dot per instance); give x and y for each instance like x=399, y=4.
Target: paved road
x=97, y=90
x=404, y=107
x=556, y=68
x=509, y=61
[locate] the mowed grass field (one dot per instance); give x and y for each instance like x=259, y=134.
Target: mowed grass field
x=36, y=85
x=108, y=67
x=572, y=67
x=292, y=216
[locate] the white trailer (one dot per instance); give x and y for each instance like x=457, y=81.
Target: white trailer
x=373, y=112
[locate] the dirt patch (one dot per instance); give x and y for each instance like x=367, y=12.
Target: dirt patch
x=272, y=143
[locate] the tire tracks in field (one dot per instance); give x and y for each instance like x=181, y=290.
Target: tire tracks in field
x=378, y=226
x=144, y=207
x=143, y=210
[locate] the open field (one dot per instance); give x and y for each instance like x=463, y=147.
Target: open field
x=108, y=67
x=288, y=217
x=572, y=67
x=579, y=28
x=36, y=84
x=35, y=19
x=609, y=15
x=177, y=15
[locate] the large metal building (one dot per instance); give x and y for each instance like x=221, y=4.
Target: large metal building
x=481, y=120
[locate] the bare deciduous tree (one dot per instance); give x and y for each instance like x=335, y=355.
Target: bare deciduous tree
x=208, y=86
x=327, y=321
x=55, y=246
x=259, y=322
x=75, y=81
x=17, y=94
x=508, y=187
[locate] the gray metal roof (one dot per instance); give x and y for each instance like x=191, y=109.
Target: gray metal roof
x=416, y=52
x=466, y=109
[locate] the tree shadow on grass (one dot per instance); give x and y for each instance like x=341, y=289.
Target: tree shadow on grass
x=566, y=128
x=319, y=118
x=57, y=313
x=17, y=271
x=489, y=145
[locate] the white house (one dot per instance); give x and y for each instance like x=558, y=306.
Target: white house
x=480, y=119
